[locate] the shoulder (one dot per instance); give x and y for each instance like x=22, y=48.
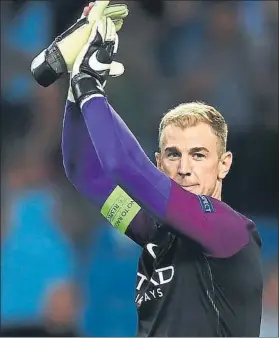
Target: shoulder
x=248, y=257
x=245, y=265
x=255, y=237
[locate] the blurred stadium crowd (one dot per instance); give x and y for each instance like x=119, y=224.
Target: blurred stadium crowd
x=63, y=269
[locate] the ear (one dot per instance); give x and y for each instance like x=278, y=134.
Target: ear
x=158, y=160
x=225, y=165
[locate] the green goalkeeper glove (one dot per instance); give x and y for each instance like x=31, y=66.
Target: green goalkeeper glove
x=93, y=64
x=60, y=56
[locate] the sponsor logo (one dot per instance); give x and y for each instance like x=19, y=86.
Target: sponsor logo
x=159, y=277
x=206, y=204
x=97, y=65
x=149, y=248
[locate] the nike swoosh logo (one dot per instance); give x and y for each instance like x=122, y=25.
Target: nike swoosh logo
x=149, y=248
x=96, y=65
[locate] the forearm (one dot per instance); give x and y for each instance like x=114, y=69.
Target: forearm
x=84, y=171
x=221, y=232
x=81, y=163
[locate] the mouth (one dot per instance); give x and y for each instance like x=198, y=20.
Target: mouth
x=189, y=187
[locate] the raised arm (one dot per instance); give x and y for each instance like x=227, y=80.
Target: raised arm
x=84, y=171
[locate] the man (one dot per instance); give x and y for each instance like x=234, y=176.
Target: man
x=199, y=274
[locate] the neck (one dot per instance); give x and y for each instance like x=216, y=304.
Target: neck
x=217, y=193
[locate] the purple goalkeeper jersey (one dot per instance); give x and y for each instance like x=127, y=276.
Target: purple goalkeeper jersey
x=199, y=273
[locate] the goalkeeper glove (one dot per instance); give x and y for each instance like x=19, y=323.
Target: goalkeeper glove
x=59, y=57
x=93, y=64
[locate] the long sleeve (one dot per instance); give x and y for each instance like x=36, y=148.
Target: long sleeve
x=81, y=163
x=83, y=169
x=211, y=223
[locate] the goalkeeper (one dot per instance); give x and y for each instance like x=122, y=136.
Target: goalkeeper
x=199, y=273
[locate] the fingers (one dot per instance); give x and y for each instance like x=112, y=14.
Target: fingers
x=87, y=9
x=118, y=24
x=110, y=30
x=97, y=13
x=106, y=28
x=116, y=11
x=103, y=28
x=116, y=69
x=116, y=44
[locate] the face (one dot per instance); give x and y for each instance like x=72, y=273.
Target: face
x=189, y=156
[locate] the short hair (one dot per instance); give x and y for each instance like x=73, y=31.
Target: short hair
x=190, y=114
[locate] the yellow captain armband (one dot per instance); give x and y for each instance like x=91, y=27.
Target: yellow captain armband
x=120, y=209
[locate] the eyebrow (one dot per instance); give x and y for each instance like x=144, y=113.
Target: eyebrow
x=192, y=150
x=198, y=149
x=171, y=149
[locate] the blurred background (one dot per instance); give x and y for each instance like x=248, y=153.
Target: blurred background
x=64, y=271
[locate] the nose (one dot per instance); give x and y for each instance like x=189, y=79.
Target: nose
x=184, y=168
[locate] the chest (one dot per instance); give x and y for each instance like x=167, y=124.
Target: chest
x=171, y=266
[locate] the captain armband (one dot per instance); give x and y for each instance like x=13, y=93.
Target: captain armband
x=120, y=209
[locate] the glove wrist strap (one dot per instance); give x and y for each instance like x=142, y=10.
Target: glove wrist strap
x=55, y=59
x=84, y=85
x=48, y=66
x=43, y=73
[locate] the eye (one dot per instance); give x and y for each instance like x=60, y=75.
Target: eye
x=173, y=154
x=198, y=156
